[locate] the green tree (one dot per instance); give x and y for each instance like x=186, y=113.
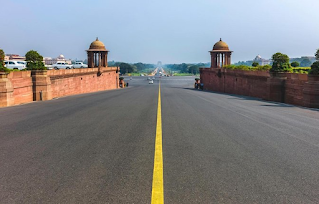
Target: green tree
x=127, y=68
x=280, y=63
x=2, y=67
x=295, y=64
x=305, y=62
x=317, y=54
x=184, y=68
x=314, y=68
x=255, y=64
x=34, y=61
x=2, y=55
x=193, y=69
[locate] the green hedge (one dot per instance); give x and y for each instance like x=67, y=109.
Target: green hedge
x=249, y=68
x=301, y=70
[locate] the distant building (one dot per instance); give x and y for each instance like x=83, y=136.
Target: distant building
x=261, y=61
x=14, y=57
x=60, y=58
x=6, y=58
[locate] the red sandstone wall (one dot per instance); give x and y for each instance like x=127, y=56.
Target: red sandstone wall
x=17, y=87
x=78, y=81
x=22, y=87
x=239, y=82
x=294, y=86
x=256, y=84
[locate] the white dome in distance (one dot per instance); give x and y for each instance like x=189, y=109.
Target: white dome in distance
x=61, y=57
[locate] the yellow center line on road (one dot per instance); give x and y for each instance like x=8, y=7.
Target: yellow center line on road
x=158, y=184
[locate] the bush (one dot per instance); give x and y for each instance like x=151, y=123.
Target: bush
x=264, y=67
x=2, y=67
x=314, y=68
x=34, y=61
x=255, y=64
x=280, y=63
x=301, y=70
x=248, y=68
x=295, y=64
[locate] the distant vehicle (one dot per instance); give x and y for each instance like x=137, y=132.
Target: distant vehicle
x=153, y=78
x=49, y=67
x=142, y=74
x=151, y=82
x=62, y=65
x=80, y=65
x=11, y=64
x=148, y=78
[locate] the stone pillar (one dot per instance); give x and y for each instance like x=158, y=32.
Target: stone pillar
x=98, y=59
x=6, y=91
x=226, y=59
x=95, y=61
x=41, y=85
x=311, y=92
x=90, y=59
x=211, y=60
x=103, y=59
x=106, y=65
x=276, y=87
x=218, y=60
x=222, y=59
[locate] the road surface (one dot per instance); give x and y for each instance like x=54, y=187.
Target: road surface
x=217, y=148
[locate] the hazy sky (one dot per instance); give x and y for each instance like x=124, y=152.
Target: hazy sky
x=171, y=31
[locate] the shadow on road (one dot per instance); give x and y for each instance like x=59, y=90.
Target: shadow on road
x=249, y=98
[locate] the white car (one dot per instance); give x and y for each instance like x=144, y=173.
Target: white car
x=15, y=64
x=62, y=65
x=151, y=82
x=80, y=65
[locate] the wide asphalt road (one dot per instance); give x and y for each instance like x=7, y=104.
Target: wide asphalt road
x=217, y=148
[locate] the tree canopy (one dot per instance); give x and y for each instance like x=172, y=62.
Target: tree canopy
x=186, y=68
x=126, y=68
x=295, y=64
x=2, y=67
x=34, y=60
x=314, y=68
x=2, y=55
x=280, y=63
x=317, y=54
x=305, y=63
x=255, y=64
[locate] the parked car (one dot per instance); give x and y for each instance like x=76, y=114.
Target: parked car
x=11, y=64
x=151, y=82
x=49, y=67
x=62, y=65
x=80, y=65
